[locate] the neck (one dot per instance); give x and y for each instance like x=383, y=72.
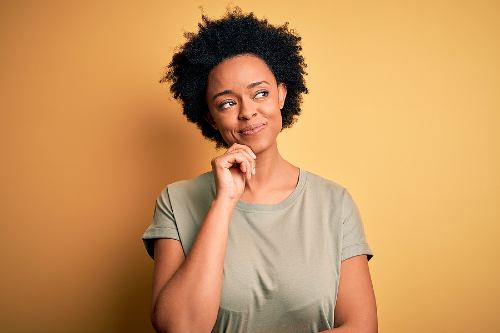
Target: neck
x=270, y=167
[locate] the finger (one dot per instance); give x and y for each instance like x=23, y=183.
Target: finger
x=234, y=147
x=244, y=162
x=243, y=168
x=250, y=151
x=234, y=159
x=250, y=159
x=249, y=170
x=244, y=165
x=252, y=155
x=246, y=148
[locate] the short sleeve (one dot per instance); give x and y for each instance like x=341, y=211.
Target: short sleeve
x=163, y=223
x=353, y=235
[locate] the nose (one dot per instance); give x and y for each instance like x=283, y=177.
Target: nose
x=247, y=109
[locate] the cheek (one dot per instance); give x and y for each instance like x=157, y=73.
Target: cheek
x=275, y=115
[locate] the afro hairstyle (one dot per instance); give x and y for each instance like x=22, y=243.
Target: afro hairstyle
x=234, y=34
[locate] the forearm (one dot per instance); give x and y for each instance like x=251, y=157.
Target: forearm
x=350, y=329
x=340, y=329
x=190, y=300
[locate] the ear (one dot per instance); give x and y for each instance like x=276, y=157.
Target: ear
x=281, y=94
x=210, y=119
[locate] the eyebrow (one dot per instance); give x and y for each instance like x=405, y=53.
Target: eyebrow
x=251, y=85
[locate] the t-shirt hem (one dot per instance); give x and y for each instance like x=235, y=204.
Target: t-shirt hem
x=284, y=204
x=356, y=250
x=157, y=232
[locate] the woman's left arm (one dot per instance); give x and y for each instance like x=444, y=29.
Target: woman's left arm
x=356, y=308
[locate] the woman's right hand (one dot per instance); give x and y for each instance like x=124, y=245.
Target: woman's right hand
x=231, y=171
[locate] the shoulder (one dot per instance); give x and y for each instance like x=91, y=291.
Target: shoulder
x=201, y=180
x=197, y=188
x=325, y=187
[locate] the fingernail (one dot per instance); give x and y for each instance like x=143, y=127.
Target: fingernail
x=254, y=156
x=253, y=171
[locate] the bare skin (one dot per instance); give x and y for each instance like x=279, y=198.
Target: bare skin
x=187, y=290
x=275, y=177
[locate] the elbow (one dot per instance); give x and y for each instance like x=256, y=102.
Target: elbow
x=357, y=328
x=158, y=324
x=162, y=324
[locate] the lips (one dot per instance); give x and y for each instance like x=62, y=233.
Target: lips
x=251, y=127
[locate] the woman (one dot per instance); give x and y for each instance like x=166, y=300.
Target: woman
x=257, y=244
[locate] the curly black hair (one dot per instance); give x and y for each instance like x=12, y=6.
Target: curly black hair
x=234, y=34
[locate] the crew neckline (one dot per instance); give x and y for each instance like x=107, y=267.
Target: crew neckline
x=257, y=207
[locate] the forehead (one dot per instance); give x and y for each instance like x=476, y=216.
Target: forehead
x=239, y=71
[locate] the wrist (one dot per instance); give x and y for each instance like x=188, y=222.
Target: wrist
x=224, y=202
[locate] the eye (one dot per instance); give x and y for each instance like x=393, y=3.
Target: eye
x=220, y=106
x=262, y=92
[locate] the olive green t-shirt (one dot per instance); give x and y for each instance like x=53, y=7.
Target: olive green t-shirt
x=282, y=261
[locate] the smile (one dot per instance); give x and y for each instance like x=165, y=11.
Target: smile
x=253, y=131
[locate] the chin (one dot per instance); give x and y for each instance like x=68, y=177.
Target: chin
x=257, y=145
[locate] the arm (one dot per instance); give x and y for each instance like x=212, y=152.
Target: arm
x=188, y=300
x=356, y=309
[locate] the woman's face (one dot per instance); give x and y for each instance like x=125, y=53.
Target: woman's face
x=241, y=92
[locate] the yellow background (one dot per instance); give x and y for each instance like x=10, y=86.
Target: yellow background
x=403, y=110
